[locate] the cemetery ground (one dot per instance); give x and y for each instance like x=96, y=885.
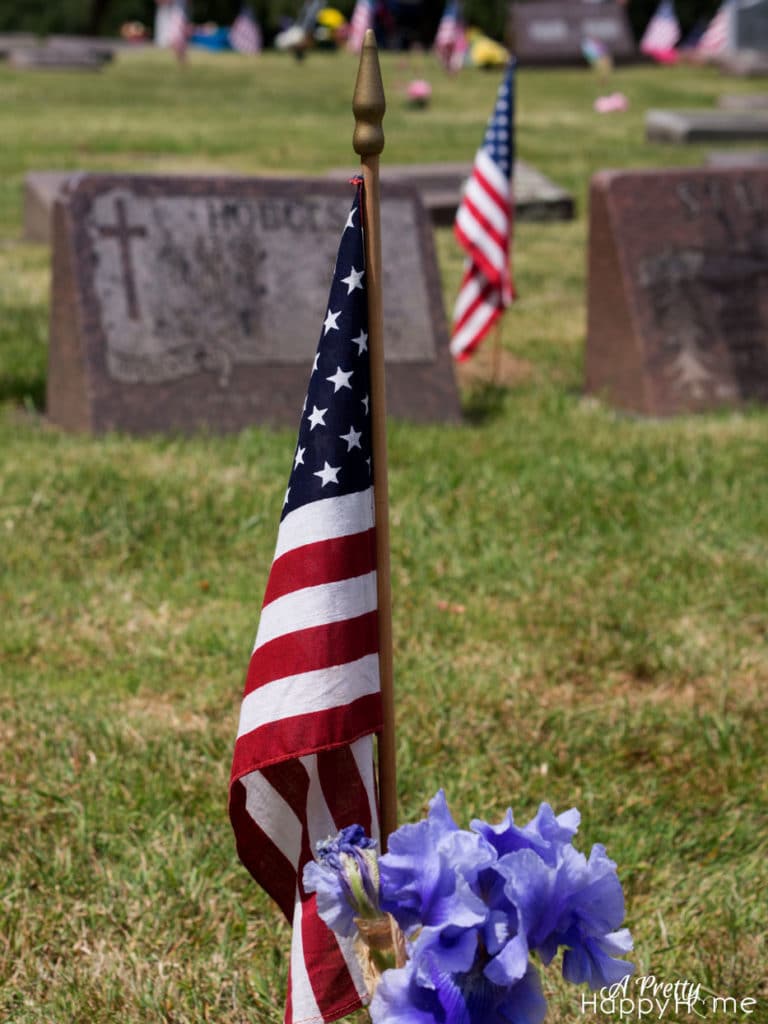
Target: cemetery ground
x=579, y=597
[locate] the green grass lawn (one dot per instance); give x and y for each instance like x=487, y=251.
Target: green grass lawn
x=580, y=598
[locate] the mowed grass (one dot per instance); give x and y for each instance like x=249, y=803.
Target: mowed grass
x=580, y=597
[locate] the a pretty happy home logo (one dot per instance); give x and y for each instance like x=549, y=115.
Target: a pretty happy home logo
x=651, y=998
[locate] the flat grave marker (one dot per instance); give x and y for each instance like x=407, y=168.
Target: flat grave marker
x=706, y=125
x=196, y=303
x=552, y=33
x=440, y=186
x=678, y=289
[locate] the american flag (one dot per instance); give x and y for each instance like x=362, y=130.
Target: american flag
x=245, y=34
x=716, y=38
x=178, y=29
x=483, y=227
x=451, y=38
x=303, y=760
x=362, y=20
x=663, y=30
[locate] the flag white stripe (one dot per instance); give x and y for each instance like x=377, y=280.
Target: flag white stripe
x=467, y=295
x=487, y=205
x=477, y=234
x=317, y=606
x=362, y=751
x=309, y=692
x=470, y=330
x=325, y=519
x=321, y=825
x=274, y=816
x=303, y=1000
x=492, y=173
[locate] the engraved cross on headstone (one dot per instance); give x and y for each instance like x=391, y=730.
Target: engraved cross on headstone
x=123, y=234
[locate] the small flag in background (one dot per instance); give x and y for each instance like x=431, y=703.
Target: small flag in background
x=451, y=38
x=303, y=760
x=483, y=228
x=716, y=37
x=662, y=31
x=245, y=33
x=178, y=30
x=362, y=20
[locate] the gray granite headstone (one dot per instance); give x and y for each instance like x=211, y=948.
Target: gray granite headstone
x=440, y=186
x=678, y=289
x=751, y=25
x=188, y=303
x=552, y=33
x=745, y=63
x=738, y=158
x=50, y=58
x=10, y=41
x=705, y=125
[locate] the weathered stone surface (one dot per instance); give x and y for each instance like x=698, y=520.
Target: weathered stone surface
x=188, y=303
x=705, y=125
x=552, y=33
x=678, y=289
x=49, y=58
x=440, y=186
x=751, y=26
x=738, y=158
x=745, y=64
x=10, y=41
x=744, y=101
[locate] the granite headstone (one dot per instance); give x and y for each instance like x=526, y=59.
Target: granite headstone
x=553, y=33
x=678, y=289
x=196, y=303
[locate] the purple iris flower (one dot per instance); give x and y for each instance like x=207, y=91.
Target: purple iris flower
x=345, y=878
x=423, y=993
x=547, y=833
x=578, y=904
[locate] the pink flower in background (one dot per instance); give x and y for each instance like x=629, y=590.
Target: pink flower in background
x=608, y=104
x=419, y=92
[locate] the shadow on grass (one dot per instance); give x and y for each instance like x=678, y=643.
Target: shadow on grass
x=484, y=401
x=25, y=392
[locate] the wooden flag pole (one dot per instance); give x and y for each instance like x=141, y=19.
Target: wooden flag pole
x=368, y=106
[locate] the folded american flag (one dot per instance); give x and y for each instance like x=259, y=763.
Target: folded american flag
x=303, y=760
x=483, y=227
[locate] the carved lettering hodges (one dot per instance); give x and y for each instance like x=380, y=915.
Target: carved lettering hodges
x=187, y=303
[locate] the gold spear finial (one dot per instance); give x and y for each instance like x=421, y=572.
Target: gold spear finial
x=368, y=103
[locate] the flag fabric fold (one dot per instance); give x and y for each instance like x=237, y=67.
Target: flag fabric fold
x=303, y=759
x=362, y=19
x=483, y=227
x=716, y=37
x=245, y=33
x=662, y=32
x=450, y=43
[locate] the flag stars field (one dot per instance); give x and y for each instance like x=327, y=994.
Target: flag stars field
x=330, y=322
x=362, y=342
x=340, y=379
x=317, y=417
x=354, y=279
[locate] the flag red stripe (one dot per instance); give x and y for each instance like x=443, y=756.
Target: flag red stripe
x=305, y=734
x=484, y=296
x=259, y=854
x=496, y=236
x=326, y=967
x=348, y=803
x=308, y=650
x=492, y=271
x=469, y=348
x=325, y=561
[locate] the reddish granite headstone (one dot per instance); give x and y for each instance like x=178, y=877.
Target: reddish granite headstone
x=188, y=303
x=678, y=289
